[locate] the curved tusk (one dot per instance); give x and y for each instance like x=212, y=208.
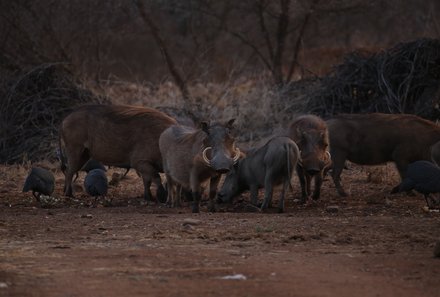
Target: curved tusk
x=328, y=154
x=205, y=158
x=237, y=155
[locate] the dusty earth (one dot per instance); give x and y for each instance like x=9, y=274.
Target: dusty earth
x=370, y=244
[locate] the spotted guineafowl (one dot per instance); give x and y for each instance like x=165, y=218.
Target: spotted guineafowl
x=40, y=181
x=96, y=183
x=90, y=165
x=422, y=176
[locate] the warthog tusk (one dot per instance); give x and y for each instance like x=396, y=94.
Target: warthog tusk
x=205, y=158
x=237, y=155
x=328, y=154
x=207, y=161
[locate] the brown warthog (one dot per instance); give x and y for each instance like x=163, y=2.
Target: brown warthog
x=267, y=166
x=116, y=135
x=192, y=156
x=372, y=139
x=311, y=135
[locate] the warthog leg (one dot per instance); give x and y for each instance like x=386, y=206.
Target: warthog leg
x=76, y=158
x=254, y=194
x=268, y=190
x=302, y=181
x=338, y=166
x=196, y=202
x=196, y=190
x=318, y=184
x=175, y=189
x=286, y=184
x=161, y=193
x=213, y=183
x=149, y=174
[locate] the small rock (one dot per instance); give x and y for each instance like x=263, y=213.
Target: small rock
x=87, y=216
x=190, y=221
x=332, y=208
x=235, y=277
x=3, y=285
x=437, y=250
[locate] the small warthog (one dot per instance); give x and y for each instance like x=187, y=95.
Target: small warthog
x=192, y=156
x=115, y=135
x=267, y=166
x=372, y=139
x=311, y=135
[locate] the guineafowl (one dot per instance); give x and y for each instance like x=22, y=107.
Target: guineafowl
x=90, y=165
x=96, y=183
x=422, y=176
x=39, y=181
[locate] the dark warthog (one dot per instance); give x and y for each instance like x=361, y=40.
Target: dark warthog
x=372, y=139
x=116, y=135
x=192, y=156
x=267, y=166
x=311, y=135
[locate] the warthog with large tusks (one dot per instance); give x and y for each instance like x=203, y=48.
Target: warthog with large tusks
x=311, y=135
x=115, y=135
x=192, y=156
x=376, y=138
x=267, y=166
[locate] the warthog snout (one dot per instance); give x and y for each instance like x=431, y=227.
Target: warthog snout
x=220, y=162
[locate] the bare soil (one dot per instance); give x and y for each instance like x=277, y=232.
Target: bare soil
x=369, y=244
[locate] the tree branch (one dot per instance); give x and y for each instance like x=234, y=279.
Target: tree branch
x=154, y=29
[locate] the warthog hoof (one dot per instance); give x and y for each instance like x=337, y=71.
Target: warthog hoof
x=161, y=195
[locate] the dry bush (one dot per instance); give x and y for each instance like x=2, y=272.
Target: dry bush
x=32, y=106
x=402, y=79
x=260, y=109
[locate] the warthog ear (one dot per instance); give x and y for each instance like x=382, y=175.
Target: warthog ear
x=204, y=126
x=230, y=123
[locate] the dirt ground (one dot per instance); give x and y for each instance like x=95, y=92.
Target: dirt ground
x=370, y=244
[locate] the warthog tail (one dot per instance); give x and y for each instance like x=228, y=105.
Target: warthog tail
x=61, y=156
x=289, y=170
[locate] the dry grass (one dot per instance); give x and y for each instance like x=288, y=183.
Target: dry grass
x=259, y=108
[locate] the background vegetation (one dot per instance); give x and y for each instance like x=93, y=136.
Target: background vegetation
x=260, y=61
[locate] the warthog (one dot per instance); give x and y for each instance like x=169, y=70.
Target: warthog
x=267, y=166
x=311, y=135
x=115, y=135
x=192, y=156
x=372, y=139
